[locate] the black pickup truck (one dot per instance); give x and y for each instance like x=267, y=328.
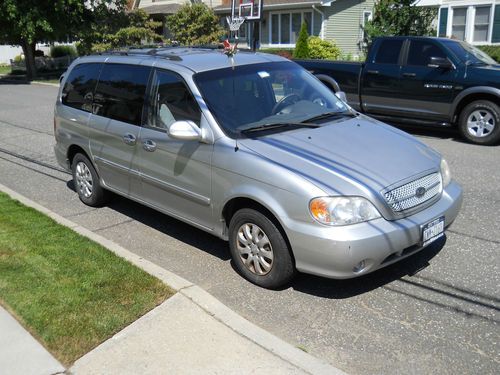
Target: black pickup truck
x=422, y=81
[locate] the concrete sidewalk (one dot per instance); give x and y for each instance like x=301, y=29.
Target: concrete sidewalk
x=20, y=353
x=192, y=332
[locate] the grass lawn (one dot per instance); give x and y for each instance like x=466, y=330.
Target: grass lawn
x=69, y=292
x=5, y=69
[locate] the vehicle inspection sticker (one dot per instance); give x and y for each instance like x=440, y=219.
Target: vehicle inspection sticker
x=432, y=231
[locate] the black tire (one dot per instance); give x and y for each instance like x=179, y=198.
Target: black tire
x=94, y=195
x=282, y=267
x=489, y=137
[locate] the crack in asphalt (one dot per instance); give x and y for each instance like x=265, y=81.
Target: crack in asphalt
x=25, y=128
x=473, y=236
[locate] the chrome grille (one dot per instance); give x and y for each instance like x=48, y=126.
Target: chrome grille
x=404, y=197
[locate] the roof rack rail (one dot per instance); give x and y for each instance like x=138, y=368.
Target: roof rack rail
x=144, y=51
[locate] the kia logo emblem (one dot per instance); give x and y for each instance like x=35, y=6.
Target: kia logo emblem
x=420, y=192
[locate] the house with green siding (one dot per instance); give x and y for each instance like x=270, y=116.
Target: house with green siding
x=475, y=21
x=338, y=20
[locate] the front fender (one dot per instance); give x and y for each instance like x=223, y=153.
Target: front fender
x=472, y=91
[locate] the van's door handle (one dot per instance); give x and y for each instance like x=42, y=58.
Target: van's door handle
x=409, y=74
x=149, y=145
x=129, y=139
x=375, y=72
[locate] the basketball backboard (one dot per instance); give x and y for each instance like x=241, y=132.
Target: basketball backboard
x=251, y=10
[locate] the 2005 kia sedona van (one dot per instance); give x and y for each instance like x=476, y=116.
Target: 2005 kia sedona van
x=259, y=153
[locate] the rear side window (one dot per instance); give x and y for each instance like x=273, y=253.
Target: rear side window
x=120, y=92
x=421, y=52
x=78, y=91
x=388, y=51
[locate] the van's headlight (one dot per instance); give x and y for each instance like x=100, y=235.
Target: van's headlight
x=445, y=173
x=342, y=210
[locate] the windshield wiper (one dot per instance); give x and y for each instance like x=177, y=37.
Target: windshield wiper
x=277, y=125
x=330, y=114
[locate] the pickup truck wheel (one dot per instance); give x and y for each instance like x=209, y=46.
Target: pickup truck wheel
x=87, y=183
x=479, y=122
x=258, y=249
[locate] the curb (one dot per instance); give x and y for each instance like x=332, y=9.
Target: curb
x=197, y=295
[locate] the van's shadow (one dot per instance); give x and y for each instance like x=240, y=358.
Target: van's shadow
x=318, y=286
x=167, y=225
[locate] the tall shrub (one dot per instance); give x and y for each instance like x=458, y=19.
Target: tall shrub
x=302, y=47
x=323, y=49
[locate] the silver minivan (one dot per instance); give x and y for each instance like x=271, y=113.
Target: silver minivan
x=256, y=151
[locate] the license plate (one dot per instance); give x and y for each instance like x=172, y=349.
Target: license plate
x=432, y=231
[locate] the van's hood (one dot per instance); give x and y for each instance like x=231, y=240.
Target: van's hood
x=362, y=150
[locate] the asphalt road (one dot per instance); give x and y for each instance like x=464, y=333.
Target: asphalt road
x=436, y=312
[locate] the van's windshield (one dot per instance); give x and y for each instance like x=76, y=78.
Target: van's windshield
x=258, y=96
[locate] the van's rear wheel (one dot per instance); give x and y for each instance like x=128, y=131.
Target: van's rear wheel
x=86, y=182
x=479, y=122
x=258, y=249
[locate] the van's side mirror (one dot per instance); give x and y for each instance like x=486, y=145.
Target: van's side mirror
x=440, y=62
x=185, y=131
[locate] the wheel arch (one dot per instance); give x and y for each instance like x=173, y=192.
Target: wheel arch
x=329, y=82
x=75, y=149
x=236, y=203
x=471, y=95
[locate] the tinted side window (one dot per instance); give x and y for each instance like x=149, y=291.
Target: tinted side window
x=120, y=92
x=78, y=91
x=171, y=101
x=421, y=52
x=388, y=52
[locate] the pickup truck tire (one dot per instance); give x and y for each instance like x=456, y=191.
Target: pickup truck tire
x=479, y=122
x=259, y=251
x=86, y=181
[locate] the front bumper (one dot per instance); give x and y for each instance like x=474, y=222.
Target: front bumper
x=334, y=252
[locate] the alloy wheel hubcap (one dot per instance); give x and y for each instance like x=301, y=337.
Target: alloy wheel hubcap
x=255, y=249
x=480, y=123
x=84, y=181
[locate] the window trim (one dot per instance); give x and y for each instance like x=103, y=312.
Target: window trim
x=290, y=13
x=149, y=100
x=470, y=19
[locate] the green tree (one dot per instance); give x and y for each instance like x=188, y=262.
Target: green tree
x=26, y=22
x=195, y=24
x=127, y=29
x=399, y=17
x=301, y=50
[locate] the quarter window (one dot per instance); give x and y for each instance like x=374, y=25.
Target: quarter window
x=78, y=91
x=388, y=52
x=120, y=92
x=171, y=101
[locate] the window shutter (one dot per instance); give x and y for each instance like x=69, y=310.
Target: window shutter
x=495, y=37
x=443, y=21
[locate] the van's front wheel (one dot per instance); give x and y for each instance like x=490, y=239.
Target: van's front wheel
x=258, y=249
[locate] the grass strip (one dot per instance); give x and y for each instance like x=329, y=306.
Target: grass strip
x=5, y=69
x=68, y=291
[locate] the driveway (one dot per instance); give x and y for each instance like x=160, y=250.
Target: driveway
x=436, y=312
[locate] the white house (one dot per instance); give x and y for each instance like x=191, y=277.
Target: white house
x=475, y=21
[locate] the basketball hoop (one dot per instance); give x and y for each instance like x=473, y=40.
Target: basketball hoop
x=235, y=23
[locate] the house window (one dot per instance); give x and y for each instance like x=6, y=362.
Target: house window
x=367, y=16
x=481, y=24
x=458, y=23
x=285, y=27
